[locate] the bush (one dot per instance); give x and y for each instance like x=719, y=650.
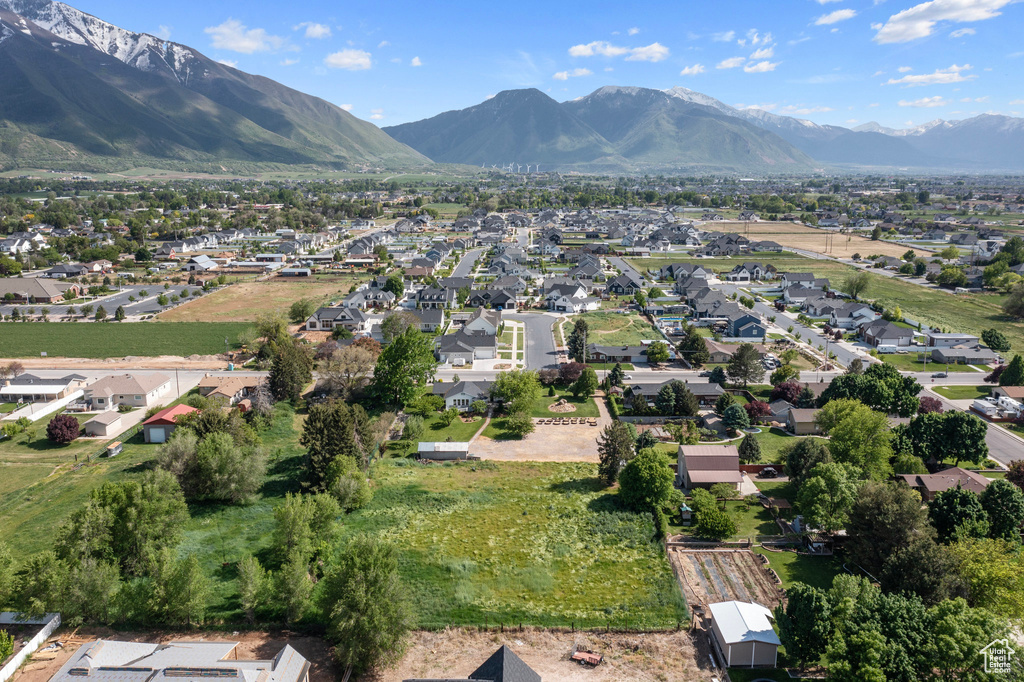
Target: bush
x=413, y=428
x=63, y=429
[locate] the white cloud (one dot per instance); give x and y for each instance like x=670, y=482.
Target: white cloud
x=633, y=31
x=416, y=62
x=760, y=67
x=376, y=114
x=489, y=97
x=598, y=47
x=764, y=53
x=730, y=63
x=228, y=62
x=724, y=36
x=879, y=73
x=976, y=99
x=289, y=62
x=383, y=43
x=346, y=107
x=692, y=70
x=1016, y=101
x=925, y=102
x=825, y=2
x=235, y=36
x=314, y=30
x=835, y=17
x=873, y=105
x=163, y=33
x=803, y=111
x=762, y=107
x=756, y=38
x=575, y=73
x=851, y=121
x=961, y=32
x=919, y=21
x=905, y=69
x=655, y=52
x=395, y=60
x=940, y=77
x=350, y=60
x=609, y=68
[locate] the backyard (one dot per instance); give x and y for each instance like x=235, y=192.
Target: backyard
x=616, y=329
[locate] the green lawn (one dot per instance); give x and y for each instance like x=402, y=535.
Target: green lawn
x=107, y=340
x=435, y=431
x=541, y=544
x=751, y=520
x=774, y=442
x=7, y=407
x=616, y=329
x=963, y=392
x=585, y=407
x=598, y=366
x=817, y=571
x=32, y=445
x=909, y=363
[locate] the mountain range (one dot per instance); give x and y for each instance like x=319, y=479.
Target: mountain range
x=78, y=91
x=81, y=93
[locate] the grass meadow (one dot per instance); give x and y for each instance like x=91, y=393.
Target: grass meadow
x=116, y=339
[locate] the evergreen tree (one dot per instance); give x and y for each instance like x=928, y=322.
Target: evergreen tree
x=329, y=433
x=693, y=347
x=290, y=372
x=718, y=376
x=750, y=450
x=745, y=365
x=578, y=340
x=615, y=447
x=616, y=376
x=723, y=403
x=119, y=314
x=1013, y=375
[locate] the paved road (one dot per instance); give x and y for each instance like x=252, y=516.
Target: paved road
x=1002, y=445
x=142, y=306
x=540, y=339
x=468, y=262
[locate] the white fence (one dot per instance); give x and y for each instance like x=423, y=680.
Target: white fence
x=36, y=411
x=50, y=622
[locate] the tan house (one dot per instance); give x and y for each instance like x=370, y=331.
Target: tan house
x=801, y=422
x=230, y=389
x=930, y=485
x=702, y=466
x=1012, y=392
x=135, y=390
x=742, y=634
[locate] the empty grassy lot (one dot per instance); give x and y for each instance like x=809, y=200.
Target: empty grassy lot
x=812, y=239
x=615, y=329
x=114, y=340
x=971, y=313
x=242, y=302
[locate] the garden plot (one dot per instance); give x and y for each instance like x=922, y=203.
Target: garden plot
x=707, y=577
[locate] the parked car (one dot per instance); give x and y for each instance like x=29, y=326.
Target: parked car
x=628, y=377
x=769, y=472
x=939, y=375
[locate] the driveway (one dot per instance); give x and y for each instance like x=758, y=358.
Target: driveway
x=540, y=339
x=468, y=262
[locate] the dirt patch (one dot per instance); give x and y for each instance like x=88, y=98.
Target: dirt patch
x=713, y=576
x=812, y=239
x=455, y=653
x=251, y=645
x=130, y=362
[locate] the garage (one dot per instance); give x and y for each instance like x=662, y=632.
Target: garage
x=157, y=434
x=159, y=427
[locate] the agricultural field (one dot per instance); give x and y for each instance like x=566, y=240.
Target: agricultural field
x=616, y=329
x=813, y=239
x=709, y=577
x=113, y=340
x=242, y=302
x=971, y=313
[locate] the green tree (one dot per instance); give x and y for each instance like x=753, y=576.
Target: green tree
x=519, y=424
x=8, y=586
x=253, y=583
x=294, y=587
x=576, y=344
x=640, y=299
x=143, y=255
x=856, y=284
x=827, y=495
x=960, y=633
x=657, y=352
x=1003, y=503
x=101, y=313
x=120, y=314
x=586, y=385
x=925, y=569
x=723, y=402
x=191, y=590
x=950, y=253
x=519, y=389
x=784, y=374
x=952, y=276
x=6, y=645
x=449, y=416
x=290, y=372
x=616, y=375
x=735, y=418
x=885, y=518
x=1013, y=375
x=366, y=605
x=750, y=450
x=994, y=573
x=328, y=434
x=745, y=365
x=645, y=482
x=1014, y=303
x=404, y=368
x=161, y=300
x=615, y=448
x=693, y=348
x=396, y=324
x=301, y=310
x=863, y=440
x=396, y=285
x=804, y=623
x=717, y=376
x=803, y=457
x=996, y=340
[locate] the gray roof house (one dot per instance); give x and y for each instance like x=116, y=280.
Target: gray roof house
x=881, y=333
x=462, y=394
x=502, y=666
x=462, y=348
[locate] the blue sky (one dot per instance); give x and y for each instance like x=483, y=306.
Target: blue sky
x=843, y=62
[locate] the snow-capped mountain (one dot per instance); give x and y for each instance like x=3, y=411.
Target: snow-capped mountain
x=873, y=127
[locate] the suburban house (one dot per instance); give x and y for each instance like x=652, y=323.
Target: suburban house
x=115, y=661
x=748, y=272
x=706, y=393
x=702, y=466
x=483, y=321
x=882, y=334
x=741, y=325
x=632, y=354
x=326, y=319
x=443, y=451
x=944, y=340
x=497, y=299
x=962, y=355
x=29, y=388
x=134, y=390
x=430, y=319
x=230, y=388
x=432, y=297
x=200, y=263
x=502, y=666
x=369, y=298
x=462, y=348
x=159, y=427
x=462, y=394
x=624, y=285
x=65, y=270
x=36, y=289
x=572, y=304
x=929, y=485
x=104, y=424
x=743, y=634
x=852, y=316
x=801, y=422
x=678, y=271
